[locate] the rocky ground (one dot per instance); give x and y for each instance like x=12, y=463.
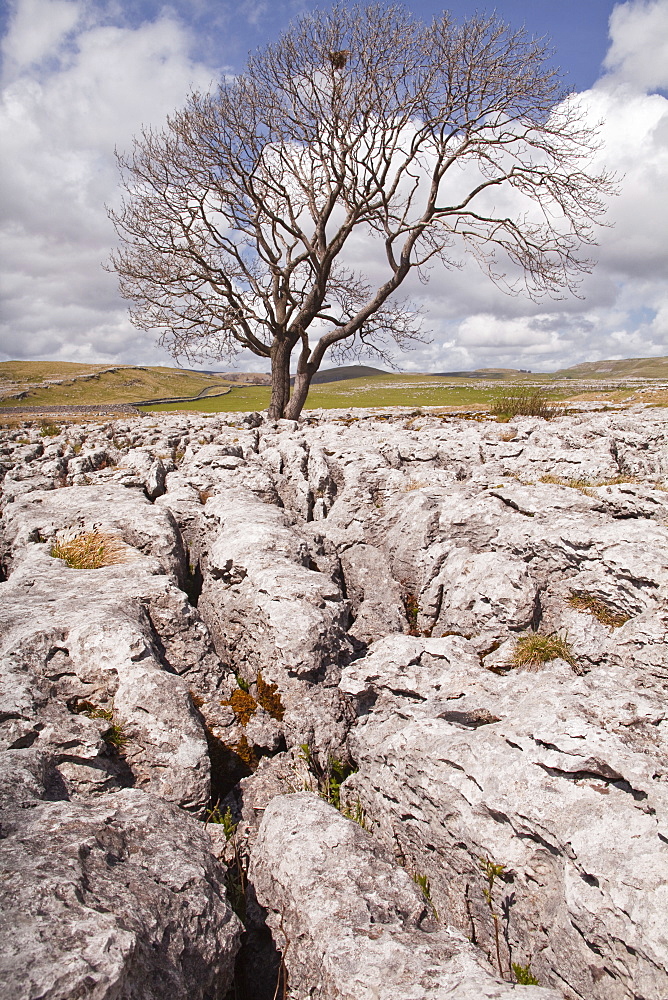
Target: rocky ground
x=281, y=741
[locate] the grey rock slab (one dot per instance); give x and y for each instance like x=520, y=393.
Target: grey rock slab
x=376, y=597
x=271, y=613
x=142, y=468
x=558, y=777
x=118, y=896
x=120, y=512
x=352, y=924
x=72, y=639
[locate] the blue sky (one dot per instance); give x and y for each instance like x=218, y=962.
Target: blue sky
x=80, y=77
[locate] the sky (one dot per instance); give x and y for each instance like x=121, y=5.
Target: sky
x=80, y=77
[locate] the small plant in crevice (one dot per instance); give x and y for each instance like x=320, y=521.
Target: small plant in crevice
x=492, y=871
x=535, y=649
x=423, y=882
x=581, y=600
x=89, y=550
x=329, y=778
x=523, y=975
x=242, y=683
x=236, y=874
x=356, y=813
x=115, y=736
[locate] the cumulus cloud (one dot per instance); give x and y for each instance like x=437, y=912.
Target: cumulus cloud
x=638, y=54
x=79, y=80
x=73, y=89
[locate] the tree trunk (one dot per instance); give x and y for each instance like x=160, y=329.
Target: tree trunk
x=280, y=379
x=299, y=394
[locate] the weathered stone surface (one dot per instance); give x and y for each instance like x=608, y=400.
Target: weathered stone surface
x=108, y=643
x=353, y=925
x=116, y=896
x=535, y=770
x=302, y=554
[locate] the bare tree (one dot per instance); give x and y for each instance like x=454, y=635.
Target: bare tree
x=245, y=217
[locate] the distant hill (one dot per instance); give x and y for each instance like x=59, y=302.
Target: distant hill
x=624, y=368
x=484, y=373
x=343, y=373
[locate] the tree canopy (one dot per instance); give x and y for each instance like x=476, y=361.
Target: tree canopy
x=283, y=211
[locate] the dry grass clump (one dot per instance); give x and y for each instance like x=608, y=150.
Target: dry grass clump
x=586, y=484
x=90, y=550
x=535, y=649
x=533, y=403
x=583, y=601
x=412, y=484
x=508, y=435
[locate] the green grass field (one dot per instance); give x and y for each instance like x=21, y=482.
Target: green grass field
x=390, y=390
x=128, y=384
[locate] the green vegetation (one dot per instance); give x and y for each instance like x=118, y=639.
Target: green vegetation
x=388, y=390
x=527, y=403
x=90, y=550
x=523, y=975
x=98, y=384
x=104, y=384
x=491, y=870
x=535, y=649
x=624, y=368
x=423, y=882
x=329, y=780
x=115, y=736
x=48, y=429
x=581, y=600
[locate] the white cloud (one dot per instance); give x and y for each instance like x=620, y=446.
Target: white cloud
x=638, y=54
x=94, y=87
x=36, y=31
x=75, y=86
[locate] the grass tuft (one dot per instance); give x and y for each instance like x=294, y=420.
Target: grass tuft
x=49, y=429
x=90, y=550
x=534, y=649
x=524, y=404
x=581, y=600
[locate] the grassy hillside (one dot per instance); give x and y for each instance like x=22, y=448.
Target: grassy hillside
x=627, y=368
x=64, y=383
x=48, y=384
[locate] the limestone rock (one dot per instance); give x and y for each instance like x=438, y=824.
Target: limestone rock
x=116, y=896
x=537, y=771
x=353, y=925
